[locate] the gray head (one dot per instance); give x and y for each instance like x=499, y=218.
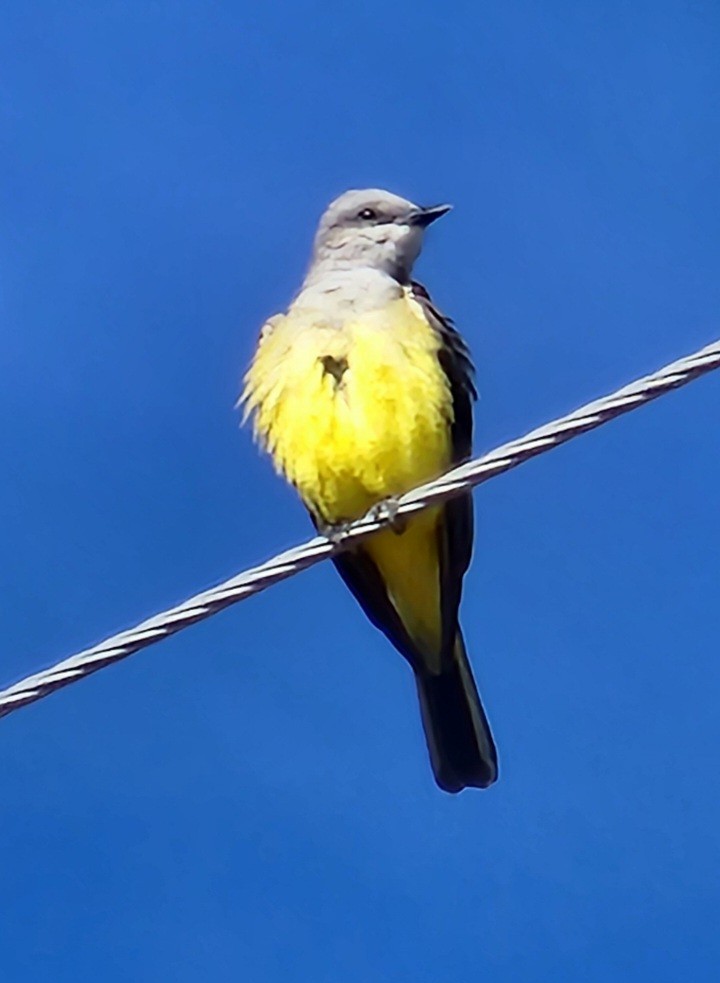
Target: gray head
x=375, y=229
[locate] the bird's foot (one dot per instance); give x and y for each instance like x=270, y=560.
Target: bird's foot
x=336, y=532
x=387, y=512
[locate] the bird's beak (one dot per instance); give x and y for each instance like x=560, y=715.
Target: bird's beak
x=424, y=216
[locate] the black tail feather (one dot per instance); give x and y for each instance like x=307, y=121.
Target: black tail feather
x=462, y=751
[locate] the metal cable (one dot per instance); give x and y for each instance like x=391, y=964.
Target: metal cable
x=256, y=579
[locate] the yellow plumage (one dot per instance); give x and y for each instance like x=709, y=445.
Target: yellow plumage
x=353, y=413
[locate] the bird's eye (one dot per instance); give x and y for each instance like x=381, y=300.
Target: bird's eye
x=367, y=214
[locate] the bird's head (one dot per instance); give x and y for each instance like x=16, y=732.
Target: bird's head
x=373, y=229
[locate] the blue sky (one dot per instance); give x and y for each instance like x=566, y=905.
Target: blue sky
x=251, y=799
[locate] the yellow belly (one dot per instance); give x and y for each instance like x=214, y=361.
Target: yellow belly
x=383, y=428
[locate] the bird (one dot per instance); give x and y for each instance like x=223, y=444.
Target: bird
x=359, y=391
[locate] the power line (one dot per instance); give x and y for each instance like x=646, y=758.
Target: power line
x=256, y=579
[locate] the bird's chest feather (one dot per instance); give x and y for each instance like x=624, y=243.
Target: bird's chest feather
x=357, y=413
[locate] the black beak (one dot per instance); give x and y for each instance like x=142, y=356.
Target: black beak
x=424, y=216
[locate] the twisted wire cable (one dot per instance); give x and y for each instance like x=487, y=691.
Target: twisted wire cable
x=459, y=479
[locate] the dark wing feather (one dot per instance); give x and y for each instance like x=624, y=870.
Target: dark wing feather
x=456, y=531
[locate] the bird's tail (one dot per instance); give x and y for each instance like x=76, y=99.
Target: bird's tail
x=462, y=751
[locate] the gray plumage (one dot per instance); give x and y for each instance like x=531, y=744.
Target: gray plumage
x=373, y=229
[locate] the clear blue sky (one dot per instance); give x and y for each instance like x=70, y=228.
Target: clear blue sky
x=251, y=800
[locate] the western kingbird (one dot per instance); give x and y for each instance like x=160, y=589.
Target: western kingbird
x=361, y=391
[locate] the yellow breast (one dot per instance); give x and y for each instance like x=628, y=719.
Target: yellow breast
x=354, y=413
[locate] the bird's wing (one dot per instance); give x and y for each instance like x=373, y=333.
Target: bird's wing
x=455, y=532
